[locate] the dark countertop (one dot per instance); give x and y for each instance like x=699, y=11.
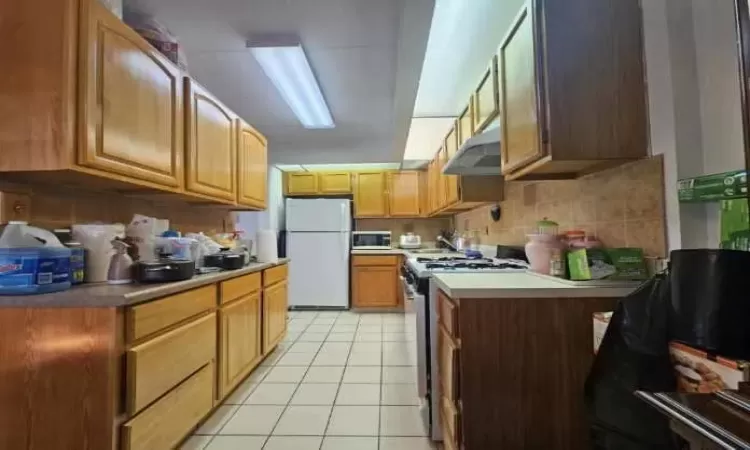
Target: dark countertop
x=102, y=295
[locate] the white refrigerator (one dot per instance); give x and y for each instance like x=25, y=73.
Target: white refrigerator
x=318, y=244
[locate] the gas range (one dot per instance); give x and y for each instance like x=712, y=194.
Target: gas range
x=422, y=267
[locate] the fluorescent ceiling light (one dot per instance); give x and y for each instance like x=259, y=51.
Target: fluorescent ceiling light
x=286, y=65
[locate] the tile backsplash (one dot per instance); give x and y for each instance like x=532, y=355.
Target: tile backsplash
x=428, y=229
x=622, y=206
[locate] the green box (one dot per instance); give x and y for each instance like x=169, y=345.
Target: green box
x=607, y=264
x=735, y=225
x=711, y=188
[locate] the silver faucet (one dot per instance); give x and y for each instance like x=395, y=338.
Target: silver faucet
x=447, y=242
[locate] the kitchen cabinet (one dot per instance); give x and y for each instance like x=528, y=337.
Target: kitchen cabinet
x=450, y=185
x=370, y=194
x=274, y=315
x=90, y=102
x=486, y=98
x=301, y=183
x=252, y=167
x=479, y=397
x=375, y=281
x=211, y=161
x=239, y=341
x=334, y=183
x=318, y=183
x=404, y=194
x=572, y=91
x=465, y=123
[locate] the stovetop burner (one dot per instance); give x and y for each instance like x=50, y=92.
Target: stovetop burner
x=443, y=259
x=479, y=265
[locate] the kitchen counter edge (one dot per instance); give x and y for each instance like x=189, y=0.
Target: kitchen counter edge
x=102, y=295
x=519, y=285
x=390, y=251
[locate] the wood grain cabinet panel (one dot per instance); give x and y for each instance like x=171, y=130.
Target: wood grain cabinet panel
x=252, y=164
x=486, y=98
x=518, y=93
x=239, y=287
x=158, y=365
x=404, y=194
x=132, y=107
x=375, y=286
x=301, y=183
x=211, y=145
x=239, y=341
x=334, y=183
x=275, y=274
x=164, y=424
x=275, y=304
x=466, y=123
x=448, y=360
x=149, y=318
x=370, y=194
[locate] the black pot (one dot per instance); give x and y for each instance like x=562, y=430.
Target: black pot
x=163, y=271
x=225, y=260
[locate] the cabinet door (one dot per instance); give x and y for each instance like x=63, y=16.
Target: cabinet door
x=466, y=123
x=301, y=183
x=375, y=286
x=131, y=105
x=370, y=195
x=518, y=95
x=403, y=189
x=239, y=341
x=253, y=167
x=335, y=183
x=451, y=182
x=451, y=141
x=442, y=179
x=486, y=101
x=211, y=145
x=274, y=315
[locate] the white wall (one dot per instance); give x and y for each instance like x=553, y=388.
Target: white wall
x=694, y=103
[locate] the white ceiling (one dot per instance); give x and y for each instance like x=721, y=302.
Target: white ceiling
x=367, y=55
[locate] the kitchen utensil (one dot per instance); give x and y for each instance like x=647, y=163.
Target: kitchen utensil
x=163, y=270
x=547, y=227
x=121, y=265
x=225, y=259
x=77, y=255
x=539, y=251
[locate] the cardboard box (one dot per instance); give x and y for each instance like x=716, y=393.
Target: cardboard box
x=700, y=372
x=607, y=264
x=601, y=322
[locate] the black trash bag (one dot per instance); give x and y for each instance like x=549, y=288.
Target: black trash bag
x=711, y=300
x=634, y=355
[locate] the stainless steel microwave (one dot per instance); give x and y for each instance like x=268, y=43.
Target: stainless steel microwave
x=371, y=240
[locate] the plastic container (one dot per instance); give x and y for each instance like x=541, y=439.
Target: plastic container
x=30, y=266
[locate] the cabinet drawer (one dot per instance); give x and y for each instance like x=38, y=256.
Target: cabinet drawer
x=239, y=287
x=448, y=363
x=386, y=260
x=275, y=275
x=448, y=314
x=167, y=421
x=451, y=420
x=148, y=318
x=157, y=365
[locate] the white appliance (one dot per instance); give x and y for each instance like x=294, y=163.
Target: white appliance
x=410, y=241
x=318, y=245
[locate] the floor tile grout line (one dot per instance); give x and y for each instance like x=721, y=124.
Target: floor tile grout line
x=335, y=397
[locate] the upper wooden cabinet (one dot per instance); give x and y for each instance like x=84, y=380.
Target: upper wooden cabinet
x=465, y=123
x=572, y=92
x=335, y=183
x=404, y=194
x=370, y=195
x=211, y=144
x=132, y=104
x=451, y=142
x=486, y=100
x=318, y=183
x=252, y=167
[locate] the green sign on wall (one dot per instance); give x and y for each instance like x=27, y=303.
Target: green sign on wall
x=711, y=188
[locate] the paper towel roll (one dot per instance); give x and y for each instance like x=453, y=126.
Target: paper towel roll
x=267, y=246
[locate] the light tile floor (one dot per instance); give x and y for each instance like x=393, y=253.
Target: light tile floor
x=339, y=381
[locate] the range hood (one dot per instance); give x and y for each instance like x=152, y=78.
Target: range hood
x=480, y=155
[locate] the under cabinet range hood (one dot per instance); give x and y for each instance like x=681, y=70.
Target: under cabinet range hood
x=480, y=155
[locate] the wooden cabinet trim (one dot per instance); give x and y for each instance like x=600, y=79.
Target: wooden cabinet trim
x=375, y=260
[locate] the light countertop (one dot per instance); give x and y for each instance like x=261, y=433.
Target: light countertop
x=103, y=295
x=520, y=285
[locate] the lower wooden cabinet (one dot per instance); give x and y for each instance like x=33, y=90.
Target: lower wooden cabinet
x=375, y=282
x=165, y=423
x=274, y=315
x=239, y=341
